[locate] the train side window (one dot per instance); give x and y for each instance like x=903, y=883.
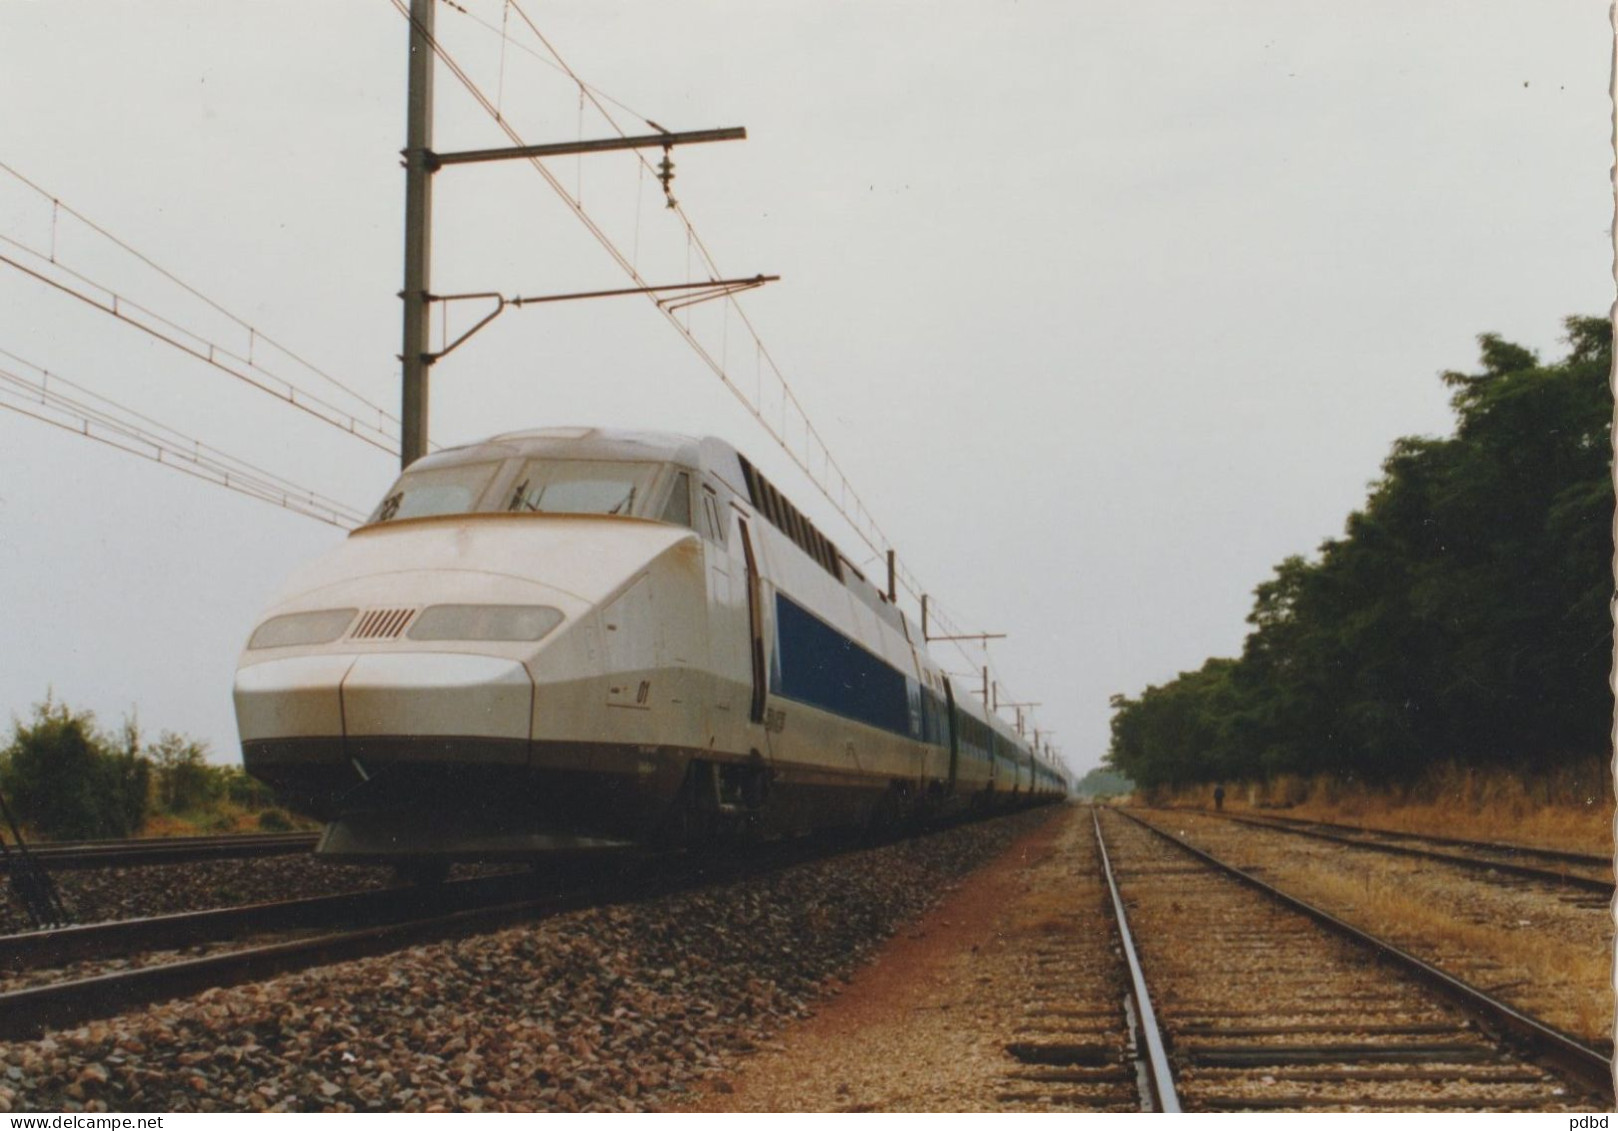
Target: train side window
x=716, y=522
x=678, y=508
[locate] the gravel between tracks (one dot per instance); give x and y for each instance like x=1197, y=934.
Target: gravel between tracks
x=972, y=1007
x=614, y=1008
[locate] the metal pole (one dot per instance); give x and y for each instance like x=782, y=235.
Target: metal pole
x=924, y=617
x=418, y=235
x=985, y=685
x=603, y=145
x=893, y=588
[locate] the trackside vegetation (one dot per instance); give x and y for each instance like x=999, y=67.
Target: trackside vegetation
x=65, y=779
x=1460, y=621
x=1102, y=782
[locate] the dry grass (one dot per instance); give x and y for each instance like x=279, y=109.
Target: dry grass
x=1573, y=984
x=225, y=817
x=1568, y=808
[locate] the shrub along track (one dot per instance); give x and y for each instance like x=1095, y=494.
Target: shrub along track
x=1263, y=1008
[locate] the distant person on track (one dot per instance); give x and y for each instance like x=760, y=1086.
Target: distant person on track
x=1219, y=797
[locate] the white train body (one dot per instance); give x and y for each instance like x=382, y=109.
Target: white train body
x=574, y=634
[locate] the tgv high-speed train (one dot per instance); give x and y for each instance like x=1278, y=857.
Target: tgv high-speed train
x=575, y=636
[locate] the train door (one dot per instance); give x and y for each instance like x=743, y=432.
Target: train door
x=954, y=734
x=728, y=649
x=755, y=620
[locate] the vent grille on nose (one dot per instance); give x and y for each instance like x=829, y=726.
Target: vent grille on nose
x=382, y=624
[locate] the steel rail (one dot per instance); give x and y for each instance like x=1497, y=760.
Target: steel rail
x=27, y=1012
x=169, y=850
x=1593, y=859
x=118, y=938
x=1575, y=1059
x=1508, y=848
x=154, y=842
x=1159, y=1075
x=1586, y=883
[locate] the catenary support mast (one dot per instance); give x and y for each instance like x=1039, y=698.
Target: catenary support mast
x=418, y=234
x=421, y=163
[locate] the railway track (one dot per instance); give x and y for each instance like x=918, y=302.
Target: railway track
x=263, y=940
x=65, y=976
x=1219, y=998
x=1567, y=870
x=272, y=938
x=1066, y=987
x=1265, y=1003
x=1500, y=848
x=166, y=850
x=120, y=940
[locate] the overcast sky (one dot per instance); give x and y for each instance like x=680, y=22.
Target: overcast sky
x=1105, y=307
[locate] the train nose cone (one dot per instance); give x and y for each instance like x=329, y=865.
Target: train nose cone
x=438, y=695
x=291, y=698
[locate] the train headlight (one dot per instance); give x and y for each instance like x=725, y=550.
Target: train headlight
x=302, y=628
x=484, y=622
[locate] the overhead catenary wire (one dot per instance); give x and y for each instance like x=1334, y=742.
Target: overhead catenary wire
x=46, y=387
x=58, y=206
x=952, y=627
x=88, y=430
x=553, y=63
x=861, y=520
x=831, y=476
x=101, y=423
x=110, y=423
x=211, y=353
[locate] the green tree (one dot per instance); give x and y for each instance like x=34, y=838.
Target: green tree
x=68, y=781
x=1176, y=733
x=1102, y=782
x=1462, y=616
x=184, y=779
x=248, y=792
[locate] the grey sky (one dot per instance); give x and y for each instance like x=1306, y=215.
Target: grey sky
x=1104, y=307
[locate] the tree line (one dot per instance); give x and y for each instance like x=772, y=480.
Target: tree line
x=65, y=779
x=1462, y=617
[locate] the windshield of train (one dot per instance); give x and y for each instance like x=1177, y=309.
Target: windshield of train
x=581, y=486
x=438, y=490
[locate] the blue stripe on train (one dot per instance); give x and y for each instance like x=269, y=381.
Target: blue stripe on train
x=816, y=664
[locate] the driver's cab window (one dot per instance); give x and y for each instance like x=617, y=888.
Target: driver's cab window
x=713, y=520
x=678, y=508
x=581, y=487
